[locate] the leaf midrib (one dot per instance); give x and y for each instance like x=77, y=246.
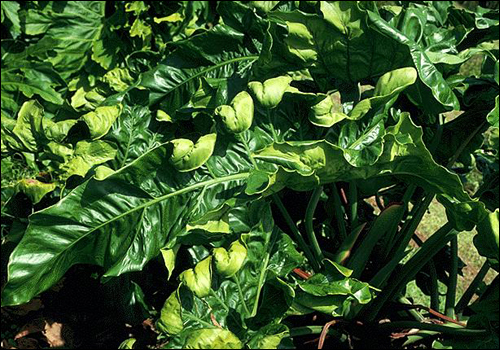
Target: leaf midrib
x=154, y=201
x=211, y=68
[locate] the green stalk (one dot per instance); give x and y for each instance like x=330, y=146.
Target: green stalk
x=451, y=293
x=430, y=248
x=411, y=225
x=464, y=144
x=309, y=330
x=380, y=227
x=434, y=278
x=473, y=287
x=298, y=237
x=449, y=329
x=434, y=286
x=413, y=312
x=311, y=208
x=353, y=203
x=339, y=213
x=345, y=249
x=379, y=280
x=221, y=302
x=390, y=240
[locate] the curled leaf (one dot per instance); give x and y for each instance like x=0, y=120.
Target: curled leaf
x=388, y=86
x=270, y=93
x=237, y=117
x=199, y=279
x=229, y=262
x=327, y=112
x=187, y=156
x=212, y=338
x=35, y=189
x=170, y=319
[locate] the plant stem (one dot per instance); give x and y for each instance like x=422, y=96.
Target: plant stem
x=411, y=225
x=413, y=312
x=242, y=297
x=449, y=329
x=430, y=248
x=308, y=330
x=293, y=228
x=464, y=144
x=339, y=213
x=311, y=208
x=353, y=203
x=471, y=290
x=221, y=302
x=390, y=239
x=452, y=281
x=434, y=286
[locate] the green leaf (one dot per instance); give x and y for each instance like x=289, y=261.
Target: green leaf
x=35, y=189
x=72, y=28
x=493, y=115
x=119, y=79
x=228, y=262
x=213, y=338
x=218, y=54
x=486, y=240
x=270, y=92
x=351, y=51
x=237, y=117
x=101, y=120
x=306, y=164
x=10, y=11
x=147, y=188
x=170, y=321
x=332, y=292
x=269, y=254
x=199, y=279
x=270, y=336
x=328, y=111
x=427, y=72
x=388, y=86
x=169, y=256
x=188, y=156
x=86, y=155
x=29, y=125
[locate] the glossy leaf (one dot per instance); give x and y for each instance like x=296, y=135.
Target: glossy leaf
x=388, y=86
x=237, y=117
x=188, y=156
x=270, y=92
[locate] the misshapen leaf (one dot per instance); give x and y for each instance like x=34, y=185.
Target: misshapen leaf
x=328, y=111
x=237, y=117
x=119, y=79
x=29, y=125
x=214, y=338
x=199, y=279
x=169, y=256
x=228, y=262
x=333, y=292
x=427, y=72
x=170, y=321
x=388, y=86
x=188, y=156
x=86, y=155
x=270, y=92
x=269, y=337
x=306, y=164
x=101, y=120
x=493, y=115
x=35, y=189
